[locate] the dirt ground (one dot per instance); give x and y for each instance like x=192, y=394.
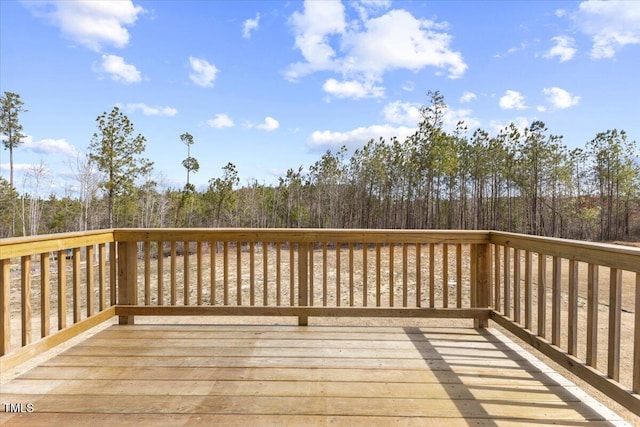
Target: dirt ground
x=391, y=292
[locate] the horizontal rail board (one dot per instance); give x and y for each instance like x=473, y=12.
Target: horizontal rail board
x=450, y=313
x=614, y=256
x=301, y=235
x=21, y=246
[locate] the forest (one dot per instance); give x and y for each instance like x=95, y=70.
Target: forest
x=520, y=180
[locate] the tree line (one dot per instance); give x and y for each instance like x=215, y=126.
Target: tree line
x=520, y=180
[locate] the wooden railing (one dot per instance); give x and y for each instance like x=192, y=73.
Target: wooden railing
x=515, y=280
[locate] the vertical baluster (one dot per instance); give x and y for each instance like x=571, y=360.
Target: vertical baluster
x=615, y=311
x=365, y=269
x=516, y=286
x=62, y=288
x=173, y=285
x=496, y=277
x=542, y=295
x=418, y=275
x=592, y=315
x=392, y=281
x=445, y=275
x=186, y=273
x=102, y=273
x=77, y=301
x=350, y=274
x=311, y=273
x=90, y=279
x=113, y=270
x=555, y=300
x=636, y=339
x=5, y=306
x=507, y=281
x=199, y=272
x=213, y=248
x=459, y=275
x=432, y=284
x=239, y=273
x=378, y=275
x=324, y=274
x=405, y=275
x=45, y=295
x=25, y=288
x=572, y=319
x=252, y=274
x=338, y=296
x=278, y=274
x=265, y=270
x=528, y=290
x=225, y=272
x=160, y=277
x=147, y=272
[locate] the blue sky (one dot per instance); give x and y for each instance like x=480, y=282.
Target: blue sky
x=272, y=85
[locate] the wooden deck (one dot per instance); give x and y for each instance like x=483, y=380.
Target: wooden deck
x=292, y=375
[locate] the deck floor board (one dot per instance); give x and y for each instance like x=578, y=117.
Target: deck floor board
x=289, y=375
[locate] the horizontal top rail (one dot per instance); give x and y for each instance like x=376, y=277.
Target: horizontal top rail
x=302, y=235
x=608, y=255
x=21, y=246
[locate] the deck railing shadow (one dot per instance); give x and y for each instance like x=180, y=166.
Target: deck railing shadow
x=74, y=281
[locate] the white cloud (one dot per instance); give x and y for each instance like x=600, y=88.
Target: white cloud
x=202, y=72
x=564, y=48
x=91, y=23
x=560, y=98
x=405, y=113
x=118, y=69
x=364, y=49
x=357, y=137
x=250, y=25
x=512, y=100
x=352, y=89
x=49, y=146
x=220, y=121
x=147, y=110
x=269, y=124
x=611, y=25
x=560, y=13
x=452, y=117
x=467, y=97
x=409, y=86
x=521, y=123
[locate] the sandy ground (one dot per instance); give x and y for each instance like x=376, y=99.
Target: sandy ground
x=345, y=294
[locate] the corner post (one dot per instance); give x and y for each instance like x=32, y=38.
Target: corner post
x=303, y=280
x=483, y=281
x=127, y=278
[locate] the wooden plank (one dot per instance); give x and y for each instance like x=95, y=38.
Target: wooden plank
x=5, y=306
x=615, y=312
x=432, y=284
x=351, y=272
x=199, y=282
x=445, y=275
x=496, y=277
x=517, y=286
x=147, y=272
x=212, y=267
x=556, y=290
x=337, y=267
x=365, y=269
x=89, y=255
x=173, y=279
x=324, y=274
x=265, y=274
x=311, y=274
x=239, y=273
x=405, y=275
x=528, y=290
x=102, y=276
x=45, y=295
x=160, y=272
x=572, y=317
x=62, y=288
x=278, y=274
x=459, y=275
x=303, y=279
x=392, y=279
x=636, y=339
x=225, y=272
x=507, y=280
x=592, y=315
x=186, y=274
x=451, y=313
x=252, y=273
x=614, y=256
x=542, y=295
x=25, y=295
x=15, y=247
x=77, y=281
x=418, y=275
x=113, y=271
x=23, y=354
x=292, y=283
x=378, y=275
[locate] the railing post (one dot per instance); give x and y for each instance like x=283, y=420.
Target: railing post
x=5, y=307
x=483, y=281
x=303, y=280
x=127, y=278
